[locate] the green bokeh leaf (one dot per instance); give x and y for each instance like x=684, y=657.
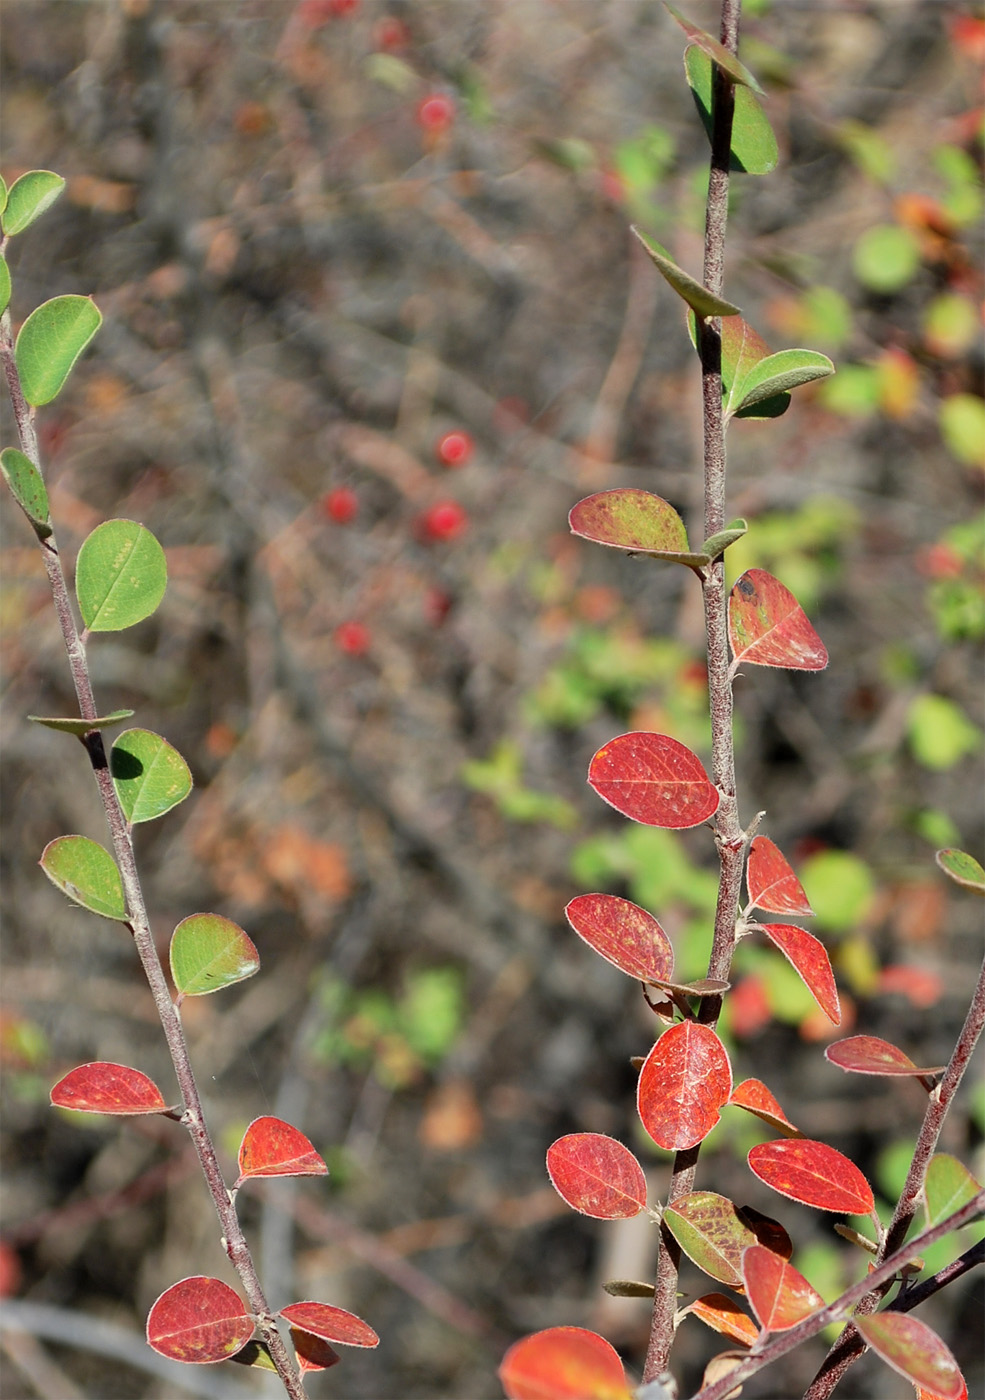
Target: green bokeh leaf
x=962, y=424
x=87, y=873
x=208, y=953
x=27, y=488
x=75, y=724
x=940, y=733
x=28, y=198
x=886, y=258
x=754, y=148
x=947, y=1187
x=779, y=373
x=149, y=775
x=49, y=343
x=698, y=297
x=120, y=576
x=4, y=285
x=963, y=869
x=840, y=888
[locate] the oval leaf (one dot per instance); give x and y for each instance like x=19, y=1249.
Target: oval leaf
x=27, y=488
x=49, y=343
x=713, y=1232
x=947, y=1187
x=778, y=1295
x=149, y=775
x=199, y=1320
x=717, y=52
x=101, y=1087
x=28, y=198
x=809, y=958
x=331, y=1324
x=563, y=1363
x=962, y=868
x=780, y=373
x=724, y=1315
x=910, y=1347
x=624, y=934
x=120, y=576
x=814, y=1174
x=771, y=882
x=654, y=780
x=74, y=724
x=635, y=520
x=754, y=1097
x=208, y=953
x=754, y=148
x=867, y=1054
x=685, y=1080
x=271, y=1147
x=768, y=627
x=597, y=1176
x=87, y=873
x=313, y=1354
x=703, y=302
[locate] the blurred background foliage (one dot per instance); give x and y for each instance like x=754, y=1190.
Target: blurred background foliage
x=325, y=236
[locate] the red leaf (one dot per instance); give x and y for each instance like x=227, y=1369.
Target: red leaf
x=331, y=1324
x=685, y=1080
x=867, y=1054
x=654, y=780
x=631, y=519
x=624, y=934
x=563, y=1363
x=768, y=627
x=312, y=1353
x=199, y=1320
x=713, y=1232
x=725, y=1316
x=771, y=882
x=808, y=956
x=597, y=1176
x=914, y=1350
x=779, y=1295
x=929, y=1395
x=106, y=1088
x=813, y=1173
x=754, y=1097
x=271, y=1147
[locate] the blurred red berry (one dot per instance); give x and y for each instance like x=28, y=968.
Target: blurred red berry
x=612, y=186
x=340, y=505
x=314, y=13
x=391, y=34
x=939, y=561
x=352, y=638
x=435, y=113
x=445, y=520
x=454, y=449
x=10, y=1271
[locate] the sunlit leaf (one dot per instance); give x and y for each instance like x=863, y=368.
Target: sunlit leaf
x=703, y=302
x=947, y=1187
x=209, y=952
x=813, y=1173
x=910, y=1347
x=624, y=934
x=779, y=373
x=87, y=873
x=149, y=775
x=867, y=1054
x=331, y=1324
x=28, y=198
x=271, y=1147
x=654, y=780
x=199, y=1320
x=685, y=1080
x=754, y=1097
x=962, y=868
x=754, y=148
x=768, y=627
x=27, y=488
x=779, y=1295
x=597, y=1176
x=75, y=724
x=563, y=1363
x=634, y=520
x=771, y=882
x=809, y=958
x=120, y=576
x=723, y=1314
x=713, y=1232
x=49, y=343
x=101, y=1087
x=717, y=52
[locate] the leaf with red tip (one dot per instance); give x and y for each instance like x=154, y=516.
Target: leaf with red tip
x=312, y=1352
x=331, y=1324
x=713, y=1232
x=635, y=520
x=717, y=52
x=624, y=934
x=271, y=1147
x=653, y=779
x=910, y=1347
x=809, y=958
x=813, y=1173
x=597, y=1176
x=724, y=1315
x=101, y=1087
x=779, y=1295
x=962, y=868
x=199, y=1320
x=768, y=627
x=563, y=1363
x=771, y=882
x=685, y=1080
x=867, y=1054
x=754, y=1097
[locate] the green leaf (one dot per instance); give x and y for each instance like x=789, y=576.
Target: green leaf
x=4, y=285
x=149, y=775
x=703, y=302
x=886, y=258
x=75, y=724
x=947, y=1187
x=28, y=198
x=27, y=488
x=962, y=424
x=87, y=873
x=716, y=51
x=754, y=148
x=839, y=887
x=718, y=543
x=120, y=576
x=49, y=343
x=779, y=373
x=962, y=868
x=940, y=732
x=208, y=953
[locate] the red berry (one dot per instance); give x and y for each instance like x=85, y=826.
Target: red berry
x=391, y=34
x=340, y=505
x=445, y=520
x=352, y=638
x=454, y=449
x=435, y=113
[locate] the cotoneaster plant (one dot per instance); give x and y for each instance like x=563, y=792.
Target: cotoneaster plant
x=120, y=579
x=687, y=1078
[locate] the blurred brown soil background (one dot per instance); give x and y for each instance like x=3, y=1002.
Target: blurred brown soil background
x=304, y=288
